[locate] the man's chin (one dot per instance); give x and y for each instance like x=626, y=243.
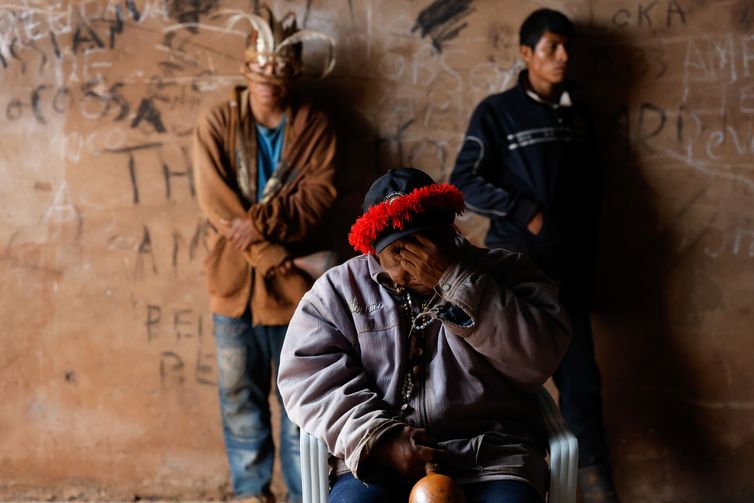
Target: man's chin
x=266, y=82
x=266, y=93
x=558, y=77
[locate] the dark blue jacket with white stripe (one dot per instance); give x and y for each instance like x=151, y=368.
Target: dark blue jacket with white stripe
x=521, y=156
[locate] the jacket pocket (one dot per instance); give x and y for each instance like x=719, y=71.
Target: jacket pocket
x=227, y=270
x=502, y=452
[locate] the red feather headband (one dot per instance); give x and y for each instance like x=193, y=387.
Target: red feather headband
x=397, y=212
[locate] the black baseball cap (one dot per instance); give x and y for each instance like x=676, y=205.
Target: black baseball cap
x=401, y=202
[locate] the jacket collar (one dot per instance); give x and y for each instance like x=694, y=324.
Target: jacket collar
x=379, y=276
x=565, y=98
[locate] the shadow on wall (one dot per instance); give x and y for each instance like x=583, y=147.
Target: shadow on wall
x=358, y=161
x=652, y=440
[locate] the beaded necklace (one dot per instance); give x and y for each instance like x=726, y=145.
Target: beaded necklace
x=420, y=320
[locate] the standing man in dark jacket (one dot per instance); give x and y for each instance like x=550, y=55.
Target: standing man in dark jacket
x=527, y=164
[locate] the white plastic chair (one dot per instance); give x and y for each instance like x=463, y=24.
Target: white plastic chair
x=564, y=452
x=564, y=458
x=314, y=469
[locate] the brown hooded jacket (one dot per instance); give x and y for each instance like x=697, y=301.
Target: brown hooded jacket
x=285, y=221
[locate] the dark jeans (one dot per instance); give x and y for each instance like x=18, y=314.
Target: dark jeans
x=580, y=385
x=348, y=489
x=578, y=377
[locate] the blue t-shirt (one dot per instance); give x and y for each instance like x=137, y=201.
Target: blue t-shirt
x=269, y=147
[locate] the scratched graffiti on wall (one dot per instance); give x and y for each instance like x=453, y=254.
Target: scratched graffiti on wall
x=426, y=71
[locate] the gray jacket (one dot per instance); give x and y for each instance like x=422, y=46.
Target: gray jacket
x=498, y=333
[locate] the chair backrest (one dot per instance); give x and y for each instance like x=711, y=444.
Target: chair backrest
x=314, y=468
x=564, y=458
x=564, y=452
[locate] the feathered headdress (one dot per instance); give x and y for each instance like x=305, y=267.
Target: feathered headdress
x=278, y=42
x=402, y=202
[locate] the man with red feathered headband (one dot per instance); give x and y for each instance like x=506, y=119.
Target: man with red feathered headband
x=263, y=164
x=425, y=349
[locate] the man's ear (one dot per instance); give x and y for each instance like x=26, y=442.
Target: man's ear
x=526, y=53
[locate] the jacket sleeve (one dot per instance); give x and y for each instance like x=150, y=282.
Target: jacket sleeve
x=480, y=155
x=291, y=216
x=212, y=178
x=510, y=314
x=324, y=387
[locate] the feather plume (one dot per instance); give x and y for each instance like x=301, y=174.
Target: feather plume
x=398, y=212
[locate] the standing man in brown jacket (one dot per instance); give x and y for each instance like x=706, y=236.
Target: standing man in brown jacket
x=263, y=163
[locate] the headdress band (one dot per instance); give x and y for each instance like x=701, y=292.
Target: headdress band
x=397, y=211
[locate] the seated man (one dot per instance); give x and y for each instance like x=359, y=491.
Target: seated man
x=425, y=349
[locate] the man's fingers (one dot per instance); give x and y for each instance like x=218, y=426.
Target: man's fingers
x=421, y=436
x=419, y=236
x=285, y=266
x=420, y=249
x=415, y=255
x=442, y=456
x=426, y=453
x=424, y=240
x=416, y=268
x=409, y=267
